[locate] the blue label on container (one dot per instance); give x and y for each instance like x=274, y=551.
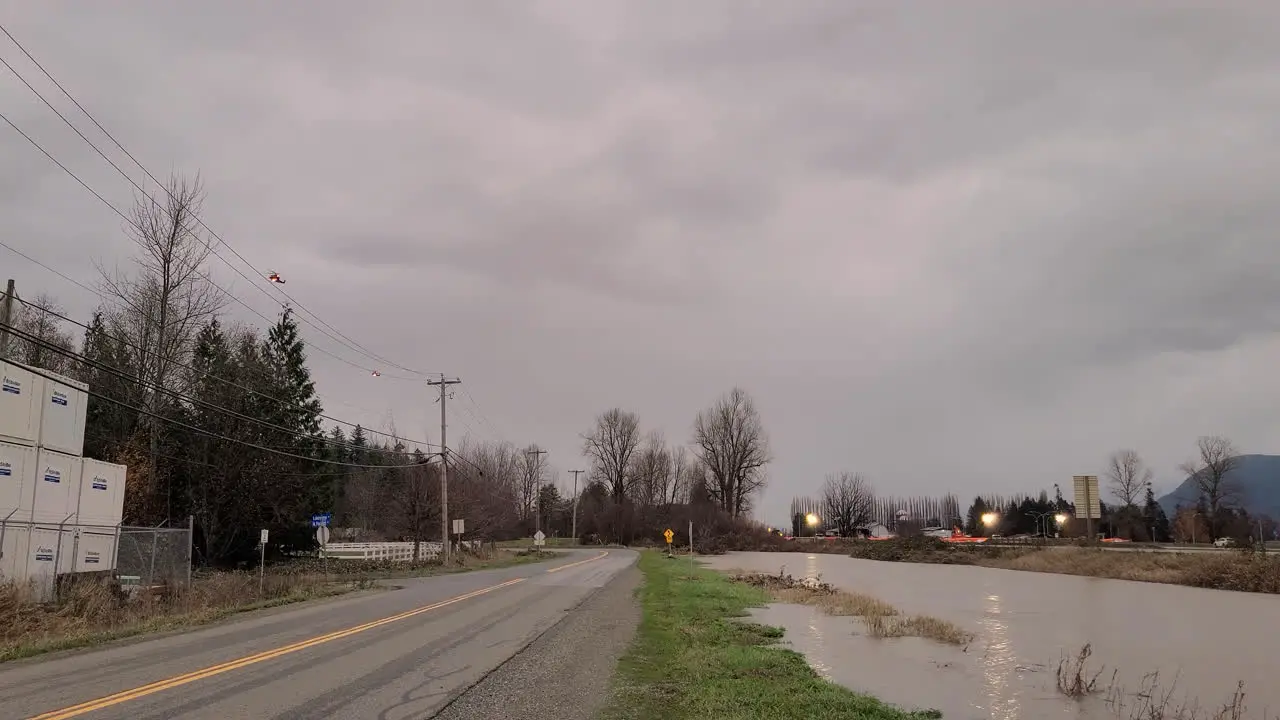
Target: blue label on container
x=11, y=386
x=91, y=558
x=51, y=475
x=58, y=398
x=99, y=484
x=44, y=554
x=5, y=469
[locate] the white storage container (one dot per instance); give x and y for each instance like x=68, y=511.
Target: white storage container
x=43, y=551
x=95, y=551
x=101, y=500
x=13, y=553
x=21, y=393
x=62, y=419
x=17, y=466
x=56, y=487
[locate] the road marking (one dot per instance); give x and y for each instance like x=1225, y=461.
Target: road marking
x=155, y=687
x=580, y=562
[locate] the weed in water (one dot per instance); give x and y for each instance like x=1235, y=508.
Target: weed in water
x=882, y=619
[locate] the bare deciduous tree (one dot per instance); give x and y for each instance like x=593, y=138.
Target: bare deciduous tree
x=1212, y=475
x=159, y=309
x=38, y=319
x=611, y=445
x=682, y=470
x=651, y=471
x=847, y=502
x=1128, y=476
x=531, y=479
x=730, y=440
x=161, y=306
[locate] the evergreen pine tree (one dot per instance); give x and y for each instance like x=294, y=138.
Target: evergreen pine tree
x=286, y=358
x=1156, y=520
x=108, y=425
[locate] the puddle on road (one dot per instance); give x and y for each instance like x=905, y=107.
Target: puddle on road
x=980, y=683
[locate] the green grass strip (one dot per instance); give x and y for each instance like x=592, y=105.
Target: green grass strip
x=692, y=659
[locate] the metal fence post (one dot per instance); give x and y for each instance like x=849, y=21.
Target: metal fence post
x=57, y=554
x=3, y=524
x=151, y=572
x=191, y=541
x=115, y=552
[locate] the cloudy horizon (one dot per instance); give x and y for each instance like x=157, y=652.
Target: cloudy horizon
x=958, y=247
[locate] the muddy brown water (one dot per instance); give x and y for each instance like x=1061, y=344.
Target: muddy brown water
x=1201, y=642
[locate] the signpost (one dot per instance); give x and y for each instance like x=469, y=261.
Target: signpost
x=459, y=525
x=321, y=520
x=1088, y=504
x=669, y=536
x=539, y=539
x=262, y=561
x=322, y=539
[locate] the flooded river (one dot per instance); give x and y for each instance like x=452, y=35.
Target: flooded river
x=1024, y=623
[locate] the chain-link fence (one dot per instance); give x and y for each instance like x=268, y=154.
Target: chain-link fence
x=38, y=554
x=154, y=556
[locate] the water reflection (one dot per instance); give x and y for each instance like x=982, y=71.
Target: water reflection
x=998, y=663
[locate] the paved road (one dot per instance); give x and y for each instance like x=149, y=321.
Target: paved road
x=383, y=655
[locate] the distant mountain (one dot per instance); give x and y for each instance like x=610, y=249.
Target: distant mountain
x=1259, y=480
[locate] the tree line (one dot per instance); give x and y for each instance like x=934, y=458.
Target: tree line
x=220, y=421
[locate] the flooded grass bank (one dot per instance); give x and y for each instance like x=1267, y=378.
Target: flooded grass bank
x=694, y=657
x=882, y=620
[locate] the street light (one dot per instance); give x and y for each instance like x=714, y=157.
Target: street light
x=989, y=519
x=1060, y=518
x=812, y=519
x=1042, y=524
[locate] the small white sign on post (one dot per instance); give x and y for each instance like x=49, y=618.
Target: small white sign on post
x=458, y=526
x=263, y=540
x=322, y=535
x=539, y=538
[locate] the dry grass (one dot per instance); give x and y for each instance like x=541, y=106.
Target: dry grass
x=95, y=611
x=881, y=619
x=92, y=611
x=1153, y=700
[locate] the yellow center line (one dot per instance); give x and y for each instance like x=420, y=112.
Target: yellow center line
x=580, y=562
x=155, y=687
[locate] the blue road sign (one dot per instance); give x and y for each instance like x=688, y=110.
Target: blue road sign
x=321, y=519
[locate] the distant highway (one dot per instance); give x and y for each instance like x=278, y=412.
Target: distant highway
x=392, y=655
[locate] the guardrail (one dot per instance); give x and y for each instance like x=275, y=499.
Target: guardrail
x=393, y=551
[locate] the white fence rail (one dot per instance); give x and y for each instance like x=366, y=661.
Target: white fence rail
x=393, y=551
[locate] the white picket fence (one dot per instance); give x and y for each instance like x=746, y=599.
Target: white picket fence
x=393, y=551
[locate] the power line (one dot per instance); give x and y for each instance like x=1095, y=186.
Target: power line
x=135, y=225
x=351, y=344
x=188, y=368
x=217, y=436
x=189, y=461
x=180, y=396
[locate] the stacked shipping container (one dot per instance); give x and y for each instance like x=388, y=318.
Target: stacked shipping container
x=56, y=507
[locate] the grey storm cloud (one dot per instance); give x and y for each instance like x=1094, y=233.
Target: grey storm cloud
x=957, y=246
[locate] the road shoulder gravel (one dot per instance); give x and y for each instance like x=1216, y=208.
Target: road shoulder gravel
x=566, y=673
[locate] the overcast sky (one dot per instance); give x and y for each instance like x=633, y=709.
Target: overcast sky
x=957, y=246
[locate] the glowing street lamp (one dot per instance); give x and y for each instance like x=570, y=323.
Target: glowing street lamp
x=812, y=519
x=1060, y=518
x=990, y=519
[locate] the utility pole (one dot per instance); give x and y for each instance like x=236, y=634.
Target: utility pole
x=576, y=473
x=535, y=471
x=6, y=317
x=444, y=384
